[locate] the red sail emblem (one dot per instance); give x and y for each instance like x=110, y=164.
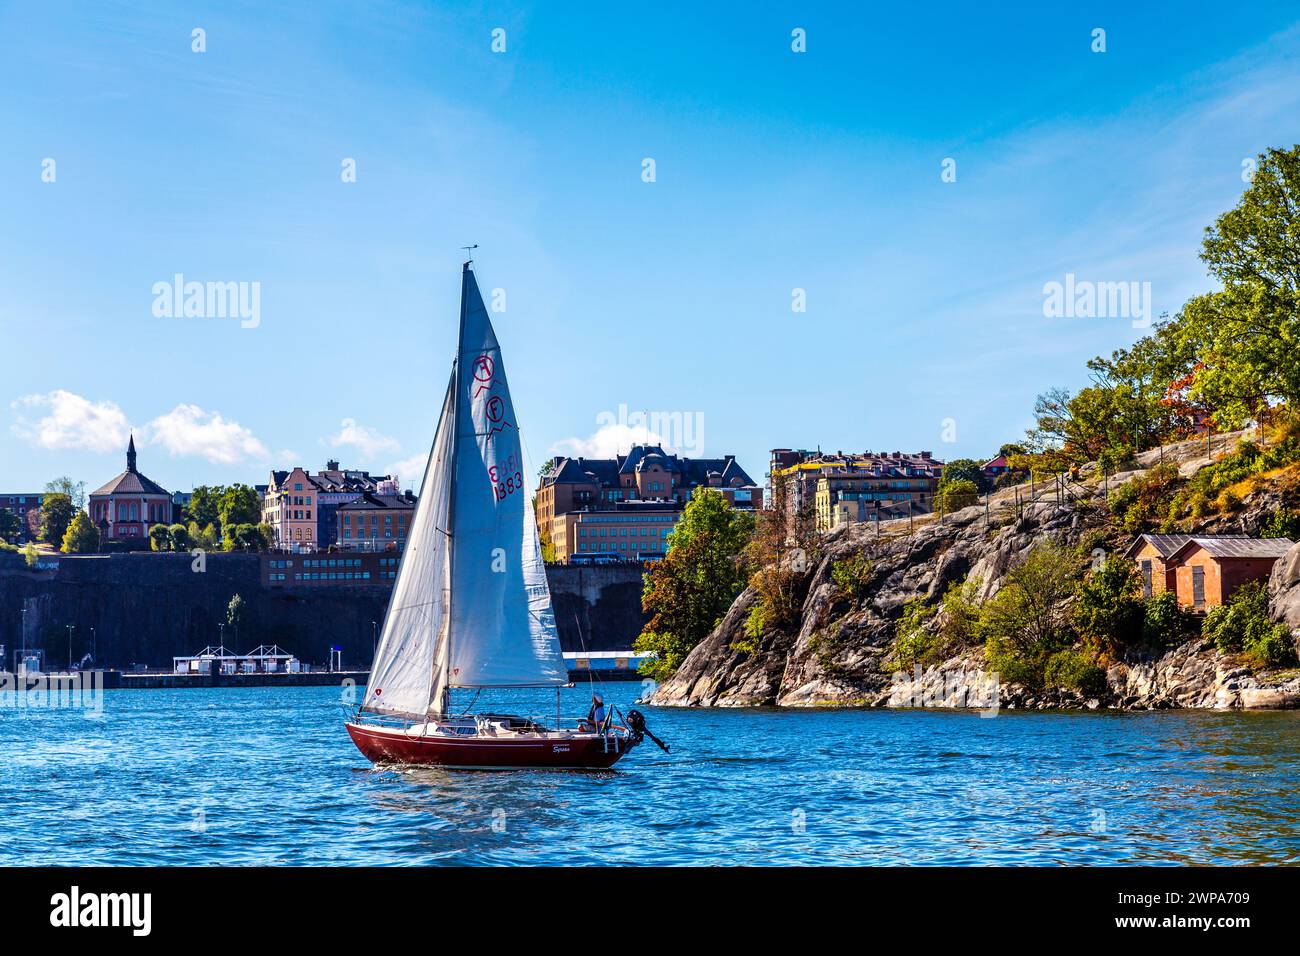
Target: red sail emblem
x=496, y=415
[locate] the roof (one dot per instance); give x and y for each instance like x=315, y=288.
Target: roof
x=1238, y=546
x=606, y=471
x=1165, y=544
x=369, y=502
x=131, y=482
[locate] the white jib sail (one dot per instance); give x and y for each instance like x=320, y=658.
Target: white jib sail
x=502, y=630
x=405, y=675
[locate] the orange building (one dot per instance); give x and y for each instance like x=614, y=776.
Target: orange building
x=1209, y=569
x=1152, y=553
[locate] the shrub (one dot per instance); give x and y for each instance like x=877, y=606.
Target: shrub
x=961, y=613
x=1076, y=670
x=180, y=537
x=1282, y=524
x=852, y=576
x=160, y=538
x=913, y=643
x=1243, y=625
x=1139, y=501
x=1107, y=610
x=1028, y=620
x=1228, y=501
x=958, y=494
x=1165, y=623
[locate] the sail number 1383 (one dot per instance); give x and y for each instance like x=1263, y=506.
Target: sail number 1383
x=506, y=478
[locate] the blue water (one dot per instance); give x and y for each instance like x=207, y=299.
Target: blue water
x=268, y=776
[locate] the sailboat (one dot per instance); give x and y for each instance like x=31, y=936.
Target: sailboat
x=471, y=607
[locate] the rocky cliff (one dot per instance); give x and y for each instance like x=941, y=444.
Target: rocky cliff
x=834, y=656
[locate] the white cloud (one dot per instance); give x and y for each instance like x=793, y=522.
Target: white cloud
x=365, y=440
x=607, y=441
x=409, y=470
x=189, y=430
x=71, y=422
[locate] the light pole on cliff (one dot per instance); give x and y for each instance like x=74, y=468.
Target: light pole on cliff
x=70, y=627
x=374, y=638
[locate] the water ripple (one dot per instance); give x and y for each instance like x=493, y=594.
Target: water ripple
x=268, y=776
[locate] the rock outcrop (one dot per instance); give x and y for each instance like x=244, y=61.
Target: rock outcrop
x=1284, y=593
x=835, y=655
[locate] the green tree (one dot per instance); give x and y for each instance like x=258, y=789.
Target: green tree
x=687, y=593
x=1165, y=623
x=81, y=536
x=10, y=525
x=965, y=469
x=57, y=510
x=180, y=537
x=160, y=538
x=1107, y=609
x=75, y=490
x=236, y=614
x=1028, y=619
x=1243, y=625
x=239, y=504
x=203, y=507
x=955, y=495
x=30, y=554
x=1246, y=335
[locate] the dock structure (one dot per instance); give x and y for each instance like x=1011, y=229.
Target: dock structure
x=263, y=659
x=605, y=665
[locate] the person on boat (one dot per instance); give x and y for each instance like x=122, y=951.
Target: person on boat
x=596, y=716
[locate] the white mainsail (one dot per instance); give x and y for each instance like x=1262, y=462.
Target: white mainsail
x=502, y=624
x=471, y=606
x=406, y=666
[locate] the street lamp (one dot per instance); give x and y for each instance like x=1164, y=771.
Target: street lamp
x=70, y=628
x=374, y=634
x=94, y=647
x=22, y=661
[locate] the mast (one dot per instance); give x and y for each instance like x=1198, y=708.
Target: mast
x=445, y=704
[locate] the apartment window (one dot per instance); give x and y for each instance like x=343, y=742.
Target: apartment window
x=297, y=487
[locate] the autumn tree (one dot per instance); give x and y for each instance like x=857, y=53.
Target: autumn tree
x=57, y=511
x=687, y=593
x=81, y=536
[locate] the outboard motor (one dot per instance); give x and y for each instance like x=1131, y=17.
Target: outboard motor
x=636, y=724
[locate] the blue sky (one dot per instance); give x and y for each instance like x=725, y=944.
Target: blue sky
x=774, y=171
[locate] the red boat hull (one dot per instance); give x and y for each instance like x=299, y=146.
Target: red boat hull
x=586, y=752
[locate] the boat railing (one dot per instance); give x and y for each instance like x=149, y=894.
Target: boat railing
x=523, y=726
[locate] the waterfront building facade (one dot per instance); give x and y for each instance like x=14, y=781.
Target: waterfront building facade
x=26, y=507
x=129, y=505
x=302, y=508
x=375, y=522
x=628, y=505
x=844, y=488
